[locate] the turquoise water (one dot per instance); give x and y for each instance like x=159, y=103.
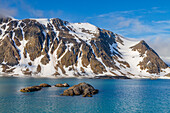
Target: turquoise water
x=115, y=96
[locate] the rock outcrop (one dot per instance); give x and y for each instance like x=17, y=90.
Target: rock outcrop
x=62, y=85
x=31, y=89
x=35, y=88
x=81, y=89
x=44, y=85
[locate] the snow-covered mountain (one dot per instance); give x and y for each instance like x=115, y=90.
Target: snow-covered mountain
x=53, y=47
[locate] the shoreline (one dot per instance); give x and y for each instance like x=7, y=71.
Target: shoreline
x=85, y=77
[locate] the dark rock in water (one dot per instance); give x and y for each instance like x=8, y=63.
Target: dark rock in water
x=35, y=88
x=81, y=89
x=62, y=85
x=31, y=89
x=112, y=77
x=44, y=85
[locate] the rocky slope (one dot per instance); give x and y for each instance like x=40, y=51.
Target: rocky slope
x=53, y=47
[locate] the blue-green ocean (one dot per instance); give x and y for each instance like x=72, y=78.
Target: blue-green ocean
x=115, y=96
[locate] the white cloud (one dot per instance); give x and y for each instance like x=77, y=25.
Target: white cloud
x=6, y=10
x=161, y=44
x=135, y=24
x=161, y=22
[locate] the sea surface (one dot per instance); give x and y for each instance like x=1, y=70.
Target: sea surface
x=115, y=96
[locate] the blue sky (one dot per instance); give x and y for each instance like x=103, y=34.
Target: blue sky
x=142, y=19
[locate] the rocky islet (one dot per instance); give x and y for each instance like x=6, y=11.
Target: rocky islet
x=84, y=89
x=81, y=89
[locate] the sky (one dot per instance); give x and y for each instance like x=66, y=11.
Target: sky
x=147, y=20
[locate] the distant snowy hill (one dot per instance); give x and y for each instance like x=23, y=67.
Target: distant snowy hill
x=53, y=47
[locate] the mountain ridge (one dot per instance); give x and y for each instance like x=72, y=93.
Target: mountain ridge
x=53, y=47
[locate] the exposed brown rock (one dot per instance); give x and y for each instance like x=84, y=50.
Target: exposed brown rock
x=61, y=50
x=45, y=60
x=31, y=89
x=8, y=52
x=18, y=34
x=29, y=63
x=65, y=34
x=27, y=72
x=54, y=46
x=167, y=75
x=86, y=54
x=61, y=67
x=17, y=42
x=62, y=85
x=35, y=88
x=119, y=40
x=97, y=66
x=4, y=26
x=5, y=20
x=44, y=85
x=114, y=73
x=7, y=69
x=124, y=63
x=34, y=47
x=13, y=24
x=81, y=89
x=69, y=59
x=38, y=68
x=82, y=70
x=128, y=73
x=59, y=24
x=4, y=67
x=34, y=34
x=46, y=45
x=25, y=53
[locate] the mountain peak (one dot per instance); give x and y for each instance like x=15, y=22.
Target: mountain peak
x=53, y=47
x=151, y=61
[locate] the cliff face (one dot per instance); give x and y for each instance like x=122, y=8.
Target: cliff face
x=53, y=47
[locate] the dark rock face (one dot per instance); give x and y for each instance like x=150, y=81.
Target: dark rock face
x=62, y=85
x=7, y=69
x=8, y=52
x=38, y=68
x=81, y=89
x=97, y=66
x=5, y=20
x=152, y=62
x=45, y=60
x=59, y=24
x=31, y=89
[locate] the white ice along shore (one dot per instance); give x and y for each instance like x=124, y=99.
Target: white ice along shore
x=57, y=48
